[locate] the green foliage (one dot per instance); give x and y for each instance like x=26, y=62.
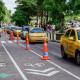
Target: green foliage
x=56, y=10
x=24, y=10
x=20, y=18
x=2, y=10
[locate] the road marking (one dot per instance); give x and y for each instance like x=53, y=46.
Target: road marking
x=2, y=64
x=70, y=73
x=47, y=75
x=10, y=42
x=15, y=64
x=43, y=71
x=3, y=41
x=34, y=65
x=6, y=42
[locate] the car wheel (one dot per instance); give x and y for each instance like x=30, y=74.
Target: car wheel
x=63, y=54
x=78, y=58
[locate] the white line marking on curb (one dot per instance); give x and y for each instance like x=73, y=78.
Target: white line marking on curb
x=43, y=71
x=15, y=64
x=77, y=77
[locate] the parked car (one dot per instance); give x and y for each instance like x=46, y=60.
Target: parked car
x=37, y=35
x=24, y=31
x=10, y=28
x=17, y=30
x=70, y=44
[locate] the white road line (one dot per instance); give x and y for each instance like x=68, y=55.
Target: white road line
x=10, y=42
x=70, y=73
x=47, y=75
x=58, y=66
x=3, y=41
x=43, y=71
x=15, y=64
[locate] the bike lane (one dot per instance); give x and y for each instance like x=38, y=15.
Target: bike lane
x=7, y=69
x=33, y=67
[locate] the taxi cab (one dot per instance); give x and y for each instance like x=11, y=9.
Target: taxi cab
x=17, y=30
x=70, y=44
x=37, y=35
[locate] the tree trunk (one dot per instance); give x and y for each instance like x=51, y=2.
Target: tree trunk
x=41, y=18
x=62, y=23
x=46, y=17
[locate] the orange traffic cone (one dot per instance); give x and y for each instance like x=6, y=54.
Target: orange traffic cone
x=45, y=49
x=27, y=43
x=11, y=36
x=17, y=38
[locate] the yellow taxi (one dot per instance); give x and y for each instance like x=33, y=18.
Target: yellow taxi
x=37, y=35
x=70, y=44
x=17, y=30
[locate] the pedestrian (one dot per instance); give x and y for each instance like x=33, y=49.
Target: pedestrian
x=49, y=28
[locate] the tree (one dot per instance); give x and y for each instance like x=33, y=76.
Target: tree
x=2, y=10
x=24, y=10
x=54, y=10
x=58, y=9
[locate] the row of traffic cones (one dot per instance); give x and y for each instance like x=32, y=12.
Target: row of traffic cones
x=45, y=48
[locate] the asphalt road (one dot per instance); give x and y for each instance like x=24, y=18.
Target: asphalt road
x=16, y=63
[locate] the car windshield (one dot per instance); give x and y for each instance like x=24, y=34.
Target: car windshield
x=18, y=28
x=78, y=34
x=36, y=30
x=25, y=29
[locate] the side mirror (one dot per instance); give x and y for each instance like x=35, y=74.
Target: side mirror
x=71, y=38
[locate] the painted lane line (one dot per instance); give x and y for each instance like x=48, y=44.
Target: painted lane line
x=3, y=41
x=43, y=71
x=59, y=66
x=15, y=64
x=47, y=75
x=50, y=52
x=70, y=73
x=10, y=42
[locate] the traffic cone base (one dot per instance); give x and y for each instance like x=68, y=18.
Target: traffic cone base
x=27, y=47
x=45, y=57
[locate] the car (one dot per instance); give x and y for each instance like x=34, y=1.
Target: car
x=17, y=30
x=10, y=28
x=70, y=44
x=25, y=30
x=37, y=35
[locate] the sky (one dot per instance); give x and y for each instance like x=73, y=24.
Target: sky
x=10, y=4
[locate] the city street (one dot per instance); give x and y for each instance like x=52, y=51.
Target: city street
x=17, y=63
